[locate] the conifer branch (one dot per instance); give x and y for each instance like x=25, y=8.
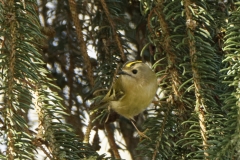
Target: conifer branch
x=191, y=25
x=115, y=34
x=112, y=141
x=83, y=47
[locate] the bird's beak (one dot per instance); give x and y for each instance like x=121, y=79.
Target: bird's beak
x=122, y=73
x=119, y=73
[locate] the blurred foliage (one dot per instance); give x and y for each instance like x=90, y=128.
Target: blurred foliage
x=58, y=59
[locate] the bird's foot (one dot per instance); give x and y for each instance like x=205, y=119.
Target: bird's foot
x=108, y=114
x=142, y=135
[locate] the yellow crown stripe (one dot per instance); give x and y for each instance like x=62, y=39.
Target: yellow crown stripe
x=132, y=63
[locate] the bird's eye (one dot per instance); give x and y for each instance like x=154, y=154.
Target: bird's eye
x=134, y=71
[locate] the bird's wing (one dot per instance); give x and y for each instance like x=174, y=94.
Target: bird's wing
x=115, y=92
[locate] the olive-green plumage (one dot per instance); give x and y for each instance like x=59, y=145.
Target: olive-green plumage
x=133, y=89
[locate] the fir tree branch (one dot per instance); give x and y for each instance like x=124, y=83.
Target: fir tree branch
x=10, y=82
x=171, y=57
x=117, y=39
x=161, y=132
x=72, y=5
x=111, y=140
x=191, y=25
x=88, y=131
x=83, y=47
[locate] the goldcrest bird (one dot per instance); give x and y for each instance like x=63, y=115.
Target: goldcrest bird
x=133, y=90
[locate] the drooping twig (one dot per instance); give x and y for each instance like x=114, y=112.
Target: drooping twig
x=104, y=5
x=83, y=48
x=200, y=105
x=111, y=141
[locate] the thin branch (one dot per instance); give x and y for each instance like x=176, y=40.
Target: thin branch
x=83, y=48
x=88, y=131
x=160, y=134
x=111, y=141
x=171, y=56
x=191, y=25
x=11, y=20
x=38, y=143
x=117, y=39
